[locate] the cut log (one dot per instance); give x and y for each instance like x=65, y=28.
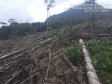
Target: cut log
x=5, y=56
x=91, y=73
x=16, y=52
x=100, y=35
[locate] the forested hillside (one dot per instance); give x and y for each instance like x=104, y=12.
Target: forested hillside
x=81, y=11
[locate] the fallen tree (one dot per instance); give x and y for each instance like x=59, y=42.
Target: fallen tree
x=91, y=73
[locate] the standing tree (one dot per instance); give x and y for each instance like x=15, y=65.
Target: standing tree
x=49, y=5
x=71, y=26
x=3, y=24
x=11, y=23
x=93, y=13
x=92, y=2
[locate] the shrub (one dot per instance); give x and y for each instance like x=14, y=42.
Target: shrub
x=74, y=53
x=102, y=59
x=61, y=33
x=43, y=36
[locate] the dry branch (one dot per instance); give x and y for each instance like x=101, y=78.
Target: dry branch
x=104, y=35
x=69, y=63
x=78, y=76
x=29, y=78
x=49, y=63
x=13, y=76
x=48, y=67
x=58, y=56
x=56, y=52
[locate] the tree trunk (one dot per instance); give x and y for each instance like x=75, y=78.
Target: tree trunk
x=91, y=73
x=93, y=13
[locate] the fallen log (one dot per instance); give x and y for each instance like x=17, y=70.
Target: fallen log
x=11, y=54
x=48, y=64
x=99, y=35
x=42, y=42
x=91, y=73
x=16, y=52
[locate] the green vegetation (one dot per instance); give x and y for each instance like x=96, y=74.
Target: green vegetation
x=42, y=61
x=56, y=43
x=56, y=59
x=80, y=33
x=43, y=36
x=52, y=31
x=74, y=53
x=62, y=64
x=63, y=31
x=44, y=55
x=102, y=59
x=36, y=44
x=22, y=40
x=74, y=27
x=59, y=79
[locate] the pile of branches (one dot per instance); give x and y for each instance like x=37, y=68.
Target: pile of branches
x=42, y=64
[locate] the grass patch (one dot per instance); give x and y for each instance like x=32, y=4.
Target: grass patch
x=102, y=59
x=43, y=36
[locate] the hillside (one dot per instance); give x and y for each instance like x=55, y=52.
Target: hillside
x=80, y=11
x=54, y=56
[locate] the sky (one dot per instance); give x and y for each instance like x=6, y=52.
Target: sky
x=35, y=10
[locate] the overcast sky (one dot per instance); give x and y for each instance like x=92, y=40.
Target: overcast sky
x=35, y=10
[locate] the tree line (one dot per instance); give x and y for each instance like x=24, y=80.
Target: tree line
x=16, y=29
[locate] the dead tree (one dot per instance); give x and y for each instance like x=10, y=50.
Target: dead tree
x=93, y=13
x=71, y=26
x=49, y=5
x=92, y=1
